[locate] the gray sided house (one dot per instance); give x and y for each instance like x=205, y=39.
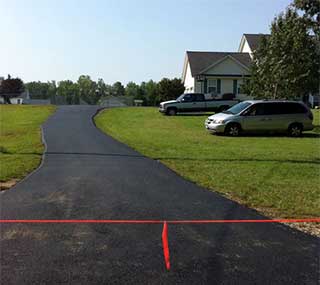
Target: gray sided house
x=218, y=73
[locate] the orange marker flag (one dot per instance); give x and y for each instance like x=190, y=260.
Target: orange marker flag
x=165, y=245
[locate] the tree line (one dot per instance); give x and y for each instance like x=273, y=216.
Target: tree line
x=286, y=64
x=93, y=92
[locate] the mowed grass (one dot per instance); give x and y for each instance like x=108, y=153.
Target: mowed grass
x=277, y=175
x=20, y=139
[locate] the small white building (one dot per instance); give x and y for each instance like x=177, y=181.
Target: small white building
x=23, y=98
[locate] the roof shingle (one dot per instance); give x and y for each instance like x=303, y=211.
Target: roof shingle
x=254, y=40
x=199, y=60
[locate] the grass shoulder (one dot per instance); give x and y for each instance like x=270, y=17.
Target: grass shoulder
x=20, y=139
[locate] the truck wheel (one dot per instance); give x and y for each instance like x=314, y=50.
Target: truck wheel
x=171, y=111
x=233, y=130
x=295, y=130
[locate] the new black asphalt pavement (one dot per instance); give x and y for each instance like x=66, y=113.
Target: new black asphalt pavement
x=86, y=174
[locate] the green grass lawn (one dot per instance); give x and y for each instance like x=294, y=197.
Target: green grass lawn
x=277, y=175
x=20, y=139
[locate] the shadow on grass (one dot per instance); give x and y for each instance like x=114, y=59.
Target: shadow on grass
x=20, y=153
x=276, y=135
x=194, y=114
x=315, y=161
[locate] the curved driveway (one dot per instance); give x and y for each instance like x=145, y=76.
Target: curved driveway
x=88, y=175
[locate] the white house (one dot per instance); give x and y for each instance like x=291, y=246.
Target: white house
x=23, y=98
x=218, y=73
x=15, y=100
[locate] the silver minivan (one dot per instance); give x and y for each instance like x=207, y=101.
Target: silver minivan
x=262, y=116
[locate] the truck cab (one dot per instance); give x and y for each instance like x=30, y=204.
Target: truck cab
x=194, y=102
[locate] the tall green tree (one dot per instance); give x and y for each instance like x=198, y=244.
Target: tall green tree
x=150, y=90
x=42, y=90
x=88, y=89
x=169, y=89
x=286, y=64
x=52, y=91
x=70, y=91
x=118, y=89
x=11, y=87
x=132, y=89
x=311, y=10
x=101, y=90
x=37, y=89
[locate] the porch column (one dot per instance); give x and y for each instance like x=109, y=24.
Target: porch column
x=205, y=83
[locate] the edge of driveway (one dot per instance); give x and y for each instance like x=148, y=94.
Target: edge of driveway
x=42, y=159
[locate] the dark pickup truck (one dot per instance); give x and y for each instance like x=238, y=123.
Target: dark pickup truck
x=194, y=102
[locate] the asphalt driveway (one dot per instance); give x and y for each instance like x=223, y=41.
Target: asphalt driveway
x=88, y=175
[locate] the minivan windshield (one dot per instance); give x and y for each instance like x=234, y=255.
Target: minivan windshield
x=236, y=109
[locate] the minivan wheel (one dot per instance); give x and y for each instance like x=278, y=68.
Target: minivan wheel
x=171, y=112
x=232, y=130
x=295, y=130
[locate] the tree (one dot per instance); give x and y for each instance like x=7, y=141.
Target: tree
x=52, y=91
x=169, y=89
x=85, y=88
x=261, y=78
x=41, y=90
x=285, y=65
x=11, y=87
x=150, y=90
x=132, y=89
x=118, y=89
x=146, y=91
x=70, y=91
x=101, y=89
x=311, y=9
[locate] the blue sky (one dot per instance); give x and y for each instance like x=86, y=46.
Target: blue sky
x=125, y=40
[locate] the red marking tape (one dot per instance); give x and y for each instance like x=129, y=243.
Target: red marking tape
x=165, y=245
x=311, y=220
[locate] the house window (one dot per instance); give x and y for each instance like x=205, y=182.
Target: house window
x=212, y=86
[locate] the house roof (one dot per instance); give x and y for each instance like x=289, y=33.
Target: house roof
x=254, y=40
x=200, y=61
